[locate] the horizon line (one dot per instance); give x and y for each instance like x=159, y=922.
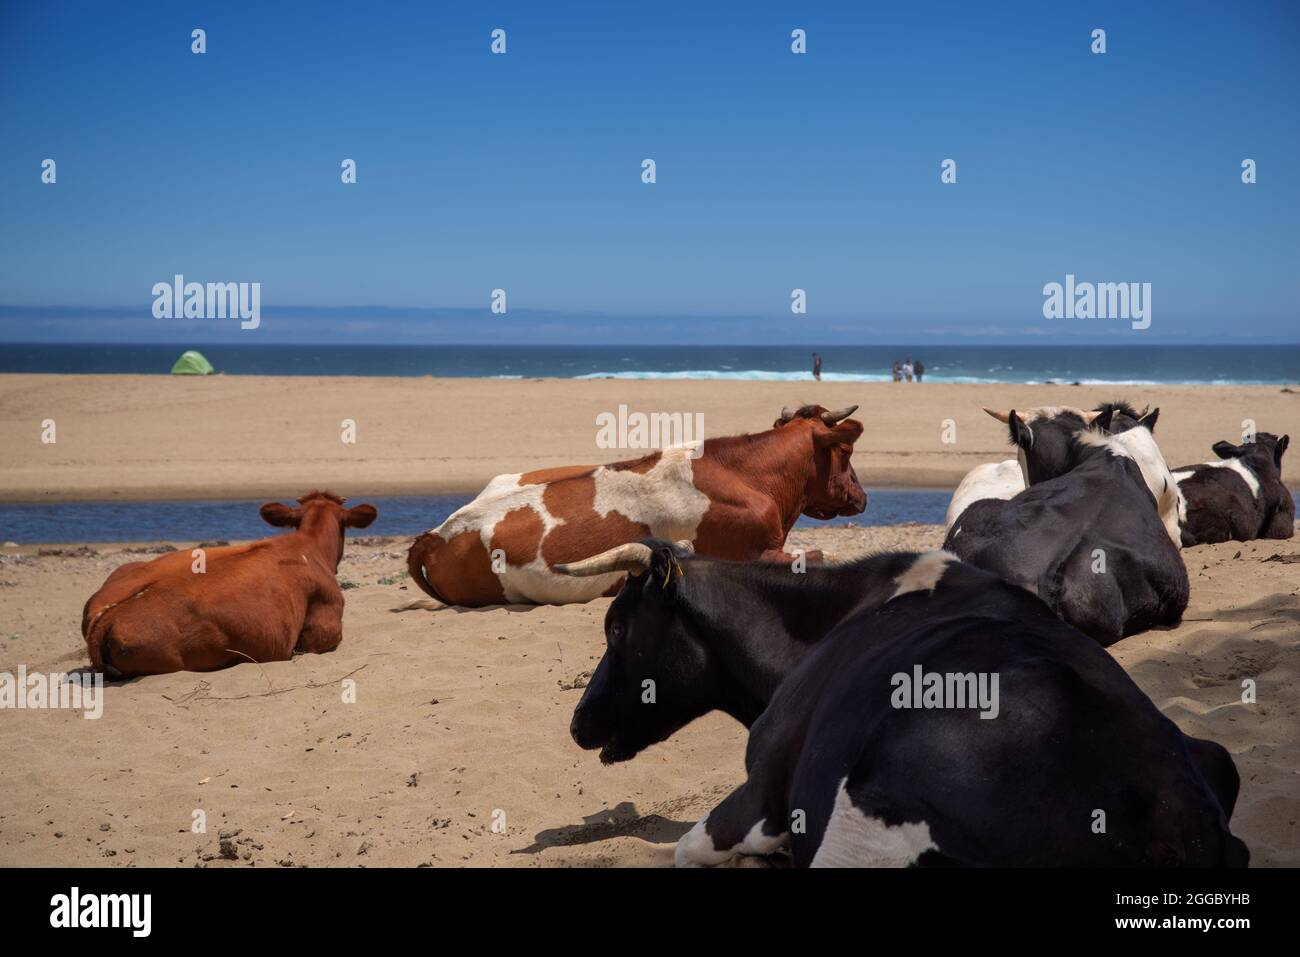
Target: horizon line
x=1164, y=344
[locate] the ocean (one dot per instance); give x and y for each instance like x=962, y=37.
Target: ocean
x=1089, y=365
x=192, y=521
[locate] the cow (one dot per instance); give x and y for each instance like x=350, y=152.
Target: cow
x=1001, y=480
x=1086, y=534
x=1239, y=497
x=263, y=601
x=844, y=767
x=1005, y=480
x=737, y=497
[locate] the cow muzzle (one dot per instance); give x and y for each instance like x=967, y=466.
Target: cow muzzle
x=584, y=733
x=857, y=503
x=853, y=502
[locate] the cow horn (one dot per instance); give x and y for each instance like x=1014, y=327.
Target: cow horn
x=1088, y=417
x=830, y=418
x=1000, y=416
x=685, y=546
x=786, y=414
x=632, y=557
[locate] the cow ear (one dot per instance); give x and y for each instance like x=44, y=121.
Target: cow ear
x=665, y=567
x=1280, y=448
x=274, y=513
x=360, y=516
x=1021, y=434
x=1103, y=418
x=1149, y=419
x=1225, y=450
x=843, y=433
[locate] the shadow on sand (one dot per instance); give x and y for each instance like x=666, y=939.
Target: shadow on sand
x=620, y=821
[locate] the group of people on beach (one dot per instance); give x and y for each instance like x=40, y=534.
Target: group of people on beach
x=907, y=370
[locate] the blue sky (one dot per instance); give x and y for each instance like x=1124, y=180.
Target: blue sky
x=775, y=171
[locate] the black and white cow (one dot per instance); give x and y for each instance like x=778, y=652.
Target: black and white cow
x=1086, y=535
x=1007, y=479
x=1066, y=762
x=1239, y=497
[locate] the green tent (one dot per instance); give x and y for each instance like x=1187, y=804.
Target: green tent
x=192, y=363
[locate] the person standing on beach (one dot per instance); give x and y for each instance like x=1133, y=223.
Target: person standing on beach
x=817, y=367
x=897, y=373
x=920, y=369
x=907, y=369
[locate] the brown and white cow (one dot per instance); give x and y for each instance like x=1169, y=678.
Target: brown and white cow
x=738, y=499
x=262, y=601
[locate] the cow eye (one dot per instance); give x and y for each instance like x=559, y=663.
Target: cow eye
x=616, y=631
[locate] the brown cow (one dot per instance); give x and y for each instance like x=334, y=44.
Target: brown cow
x=262, y=601
x=738, y=499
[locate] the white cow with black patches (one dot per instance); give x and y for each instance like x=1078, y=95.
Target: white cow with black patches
x=1000, y=480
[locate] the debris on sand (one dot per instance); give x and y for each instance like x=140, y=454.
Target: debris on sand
x=579, y=681
x=81, y=551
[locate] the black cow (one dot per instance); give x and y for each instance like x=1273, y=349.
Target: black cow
x=1073, y=764
x=1240, y=497
x=1086, y=535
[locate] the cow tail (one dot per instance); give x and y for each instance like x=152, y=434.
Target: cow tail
x=422, y=550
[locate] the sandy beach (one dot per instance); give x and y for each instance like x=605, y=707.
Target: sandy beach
x=165, y=437
x=461, y=716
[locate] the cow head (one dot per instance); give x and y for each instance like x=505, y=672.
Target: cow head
x=1123, y=416
x=317, y=511
x=654, y=677
x=1052, y=440
x=833, y=488
x=1264, y=458
x=1269, y=444
x=1044, y=438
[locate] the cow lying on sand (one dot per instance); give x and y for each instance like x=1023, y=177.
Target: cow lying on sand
x=1239, y=497
x=815, y=663
x=1085, y=535
x=262, y=601
x=1005, y=480
x=1001, y=480
x=738, y=499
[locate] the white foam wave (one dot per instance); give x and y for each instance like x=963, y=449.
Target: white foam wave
x=767, y=375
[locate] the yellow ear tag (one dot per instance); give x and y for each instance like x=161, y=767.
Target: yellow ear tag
x=673, y=567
